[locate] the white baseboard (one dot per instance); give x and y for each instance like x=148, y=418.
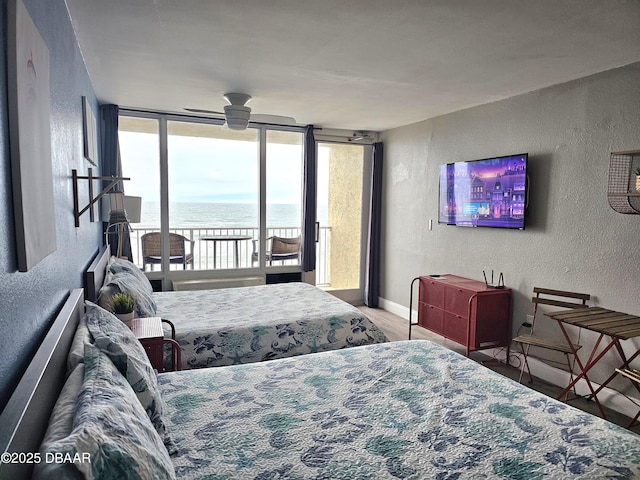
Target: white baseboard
x=397, y=309
x=352, y=296
x=608, y=397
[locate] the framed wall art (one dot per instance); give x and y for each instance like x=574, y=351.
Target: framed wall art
x=90, y=132
x=30, y=138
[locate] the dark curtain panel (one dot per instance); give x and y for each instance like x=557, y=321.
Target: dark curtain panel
x=372, y=281
x=112, y=166
x=309, y=202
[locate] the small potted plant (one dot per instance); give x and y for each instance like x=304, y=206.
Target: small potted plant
x=124, y=307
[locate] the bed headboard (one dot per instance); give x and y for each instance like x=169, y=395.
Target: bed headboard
x=94, y=276
x=26, y=416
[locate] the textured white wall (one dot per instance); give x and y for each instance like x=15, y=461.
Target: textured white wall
x=573, y=239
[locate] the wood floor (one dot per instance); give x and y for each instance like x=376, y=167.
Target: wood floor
x=397, y=328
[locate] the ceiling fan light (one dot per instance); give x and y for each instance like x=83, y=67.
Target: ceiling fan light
x=237, y=116
x=237, y=98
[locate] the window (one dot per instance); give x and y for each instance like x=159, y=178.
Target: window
x=139, y=150
x=213, y=192
x=216, y=197
x=284, y=196
x=212, y=200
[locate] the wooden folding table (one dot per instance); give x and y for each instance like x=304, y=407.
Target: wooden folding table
x=615, y=325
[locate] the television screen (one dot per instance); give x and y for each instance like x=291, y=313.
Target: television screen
x=484, y=193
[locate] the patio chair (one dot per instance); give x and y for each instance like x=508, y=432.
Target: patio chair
x=278, y=249
x=152, y=254
x=556, y=298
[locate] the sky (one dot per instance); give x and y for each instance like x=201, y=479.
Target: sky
x=216, y=170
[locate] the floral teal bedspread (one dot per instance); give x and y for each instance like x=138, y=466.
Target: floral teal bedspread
x=411, y=410
x=253, y=324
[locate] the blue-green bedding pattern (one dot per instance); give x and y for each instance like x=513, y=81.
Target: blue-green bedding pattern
x=252, y=324
x=409, y=410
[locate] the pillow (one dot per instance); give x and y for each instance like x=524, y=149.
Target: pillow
x=80, y=339
x=111, y=437
x=105, y=296
x=126, y=283
x=61, y=420
x=117, y=341
x=121, y=265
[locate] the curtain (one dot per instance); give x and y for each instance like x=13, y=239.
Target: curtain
x=112, y=166
x=372, y=280
x=309, y=202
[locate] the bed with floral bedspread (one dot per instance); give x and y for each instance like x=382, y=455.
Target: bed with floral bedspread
x=253, y=324
x=409, y=409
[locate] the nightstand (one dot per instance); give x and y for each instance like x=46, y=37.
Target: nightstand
x=149, y=331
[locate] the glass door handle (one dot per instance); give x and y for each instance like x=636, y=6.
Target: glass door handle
x=317, y=232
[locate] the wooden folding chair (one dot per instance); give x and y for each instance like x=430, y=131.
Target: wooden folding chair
x=555, y=298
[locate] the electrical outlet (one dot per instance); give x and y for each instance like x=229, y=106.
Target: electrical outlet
x=529, y=321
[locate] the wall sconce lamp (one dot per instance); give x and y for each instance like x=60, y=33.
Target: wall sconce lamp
x=92, y=200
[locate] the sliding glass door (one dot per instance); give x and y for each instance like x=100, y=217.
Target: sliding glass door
x=341, y=194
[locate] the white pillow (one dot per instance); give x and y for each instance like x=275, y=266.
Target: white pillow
x=80, y=339
x=61, y=420
x=112, y=436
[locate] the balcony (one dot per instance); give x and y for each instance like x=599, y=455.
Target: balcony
x=203, y=251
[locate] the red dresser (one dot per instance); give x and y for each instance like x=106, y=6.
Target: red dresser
x=465, y=311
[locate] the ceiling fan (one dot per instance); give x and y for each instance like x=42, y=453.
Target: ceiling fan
x=237, y=114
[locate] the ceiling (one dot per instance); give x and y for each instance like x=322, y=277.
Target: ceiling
x=359, y=64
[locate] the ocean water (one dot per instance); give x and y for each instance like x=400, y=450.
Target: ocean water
x=223, y=215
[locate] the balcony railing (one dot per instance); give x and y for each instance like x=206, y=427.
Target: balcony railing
x=225, y=251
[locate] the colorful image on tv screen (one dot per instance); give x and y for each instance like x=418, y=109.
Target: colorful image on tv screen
x=484, y=193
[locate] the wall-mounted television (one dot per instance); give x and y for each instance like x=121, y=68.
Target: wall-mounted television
x=491, y=192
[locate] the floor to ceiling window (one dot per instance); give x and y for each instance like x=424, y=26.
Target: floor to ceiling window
x=219, y=194
x=213, y=192
x=218, y=200
x=139, y=148
x=284, y=170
